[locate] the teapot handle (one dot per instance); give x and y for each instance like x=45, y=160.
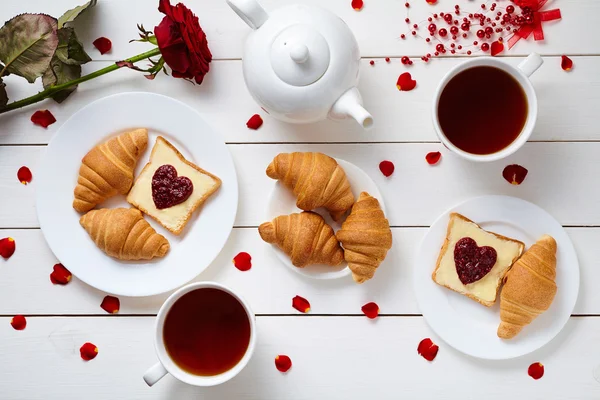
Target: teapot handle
x=250, y=11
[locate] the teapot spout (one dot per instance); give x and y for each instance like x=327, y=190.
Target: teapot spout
x=350, y=105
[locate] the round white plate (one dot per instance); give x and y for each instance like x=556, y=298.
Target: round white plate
x=282, y=202
x=471, y=327
x=205, y=234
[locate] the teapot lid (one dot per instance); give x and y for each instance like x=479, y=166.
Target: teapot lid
x=300, y=55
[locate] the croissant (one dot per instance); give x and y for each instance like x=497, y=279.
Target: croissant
x=108, y=169
x=305, y=237
x=123, y=233
x=529, y=289
x=316, y=179
x=366, y=237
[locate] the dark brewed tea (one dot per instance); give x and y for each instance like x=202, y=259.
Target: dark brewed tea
x=482, y=110
x=206, y=332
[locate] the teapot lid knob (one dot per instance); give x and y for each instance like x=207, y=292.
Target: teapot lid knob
x=300, y=55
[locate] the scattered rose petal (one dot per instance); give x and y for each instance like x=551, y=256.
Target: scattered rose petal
x=24, y=175
x=18, y=322
x=254, y=122
x=405, y=82
x=387, y=59
x=497, y=48
x=372, y=62
x=433, y=157
x=7, y=247
x=60, y=275
x=43, y=118
x=301, y=304
x=111, y=304
x=243, y=261
x=431, y=1
x=357, y=4
x=566, y=63
x=386, y=167
x=283, y=363
x=514, y=174
x=371, y=310
x=88, y=351
x=536, y=370
x=428, y=349
x=102, y=44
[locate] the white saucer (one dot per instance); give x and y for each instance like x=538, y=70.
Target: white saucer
x=282, y=202
x=206, y=232
x=471, y=327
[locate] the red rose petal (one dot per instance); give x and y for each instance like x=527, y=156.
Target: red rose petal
x=371, y=310
x=386, y=168
x=514, y=174
x=102, y=44
x=387, y=59
x=254, y=122
x=110, y=304
x=372, y=62
x=60, y=275
x=7, y=247
x=18, y=322
x=357, y=4
x=43, y=118
x=301, y=304
x=88, y=351
x=497, y=48
x=566, y=63
x=431, y=1
x=427, y=349
x=536, y=370
x=283, y=363
x=433, y=157
x=243, y=261
x=405, y=82
x=24, y=175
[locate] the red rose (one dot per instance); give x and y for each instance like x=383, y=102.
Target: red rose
x=182, y=42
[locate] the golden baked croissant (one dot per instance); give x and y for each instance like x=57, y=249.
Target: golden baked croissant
x=123, y=233
x=108, y=168
x=529, y=289
x=305, y=237
x=366, y=237
x=316, y=179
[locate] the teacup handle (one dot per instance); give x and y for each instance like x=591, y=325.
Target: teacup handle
x=531, y=64
x=155, y=374
x=250, y=11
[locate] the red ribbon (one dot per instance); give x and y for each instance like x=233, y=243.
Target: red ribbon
x=538, y=17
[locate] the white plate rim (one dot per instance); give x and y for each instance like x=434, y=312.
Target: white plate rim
x=565, y=245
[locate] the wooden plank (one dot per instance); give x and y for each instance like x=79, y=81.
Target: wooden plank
x=562, y=179
x=333, y=358
x=377, y=27
x=567, y=103
x=26, y=289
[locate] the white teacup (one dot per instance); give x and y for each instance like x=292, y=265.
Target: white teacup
x=521, y=74
x=167, y=365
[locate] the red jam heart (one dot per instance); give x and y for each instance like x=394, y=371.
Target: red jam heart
x=473, y=262
x=168, y=189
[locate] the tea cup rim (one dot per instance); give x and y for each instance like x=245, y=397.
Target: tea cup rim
x=532, y=111
x=171, y=367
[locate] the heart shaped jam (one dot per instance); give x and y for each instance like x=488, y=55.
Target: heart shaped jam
x=168, y=189
x=473, y=262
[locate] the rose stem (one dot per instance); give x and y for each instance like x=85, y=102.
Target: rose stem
x=54, y=89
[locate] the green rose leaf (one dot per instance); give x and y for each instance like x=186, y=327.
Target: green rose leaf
x=70, y=50
x=3, y=94
x=27, y=44
x=59, y=73
x=70, y=15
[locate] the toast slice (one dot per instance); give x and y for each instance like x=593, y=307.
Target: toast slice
x=174, y=218
x=485, y=290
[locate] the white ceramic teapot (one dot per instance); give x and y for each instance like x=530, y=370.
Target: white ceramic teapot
x=301, y=63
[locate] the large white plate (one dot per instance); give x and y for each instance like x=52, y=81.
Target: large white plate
x=282, y=202
x=192, y=251
x=471, y=327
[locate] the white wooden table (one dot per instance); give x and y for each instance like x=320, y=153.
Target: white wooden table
x=337, y=352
